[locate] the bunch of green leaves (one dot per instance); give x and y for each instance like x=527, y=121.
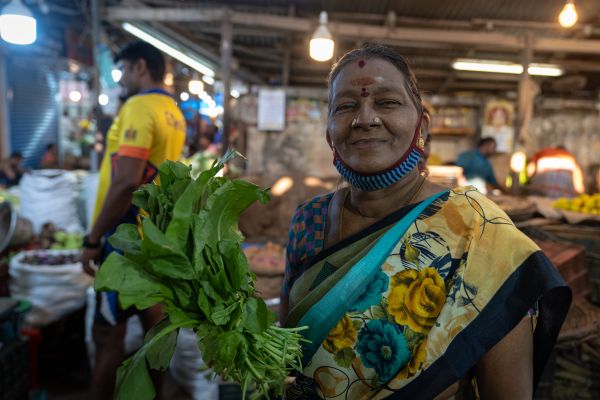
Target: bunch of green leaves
x=187, y=256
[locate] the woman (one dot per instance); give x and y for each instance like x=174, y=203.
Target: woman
x=409, y=289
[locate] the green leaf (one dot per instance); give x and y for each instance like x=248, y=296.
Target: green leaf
x=121, y=274
x=126, y=239
x=257, y=318
x=230, y=343
x=164, y=257
x=220, y=314
x=204, y=305
x=142, y=196
x=344, y=357
x=237, y=264
x=133, y=380
x=159, y=355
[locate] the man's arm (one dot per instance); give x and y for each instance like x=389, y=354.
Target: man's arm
x=128, y=176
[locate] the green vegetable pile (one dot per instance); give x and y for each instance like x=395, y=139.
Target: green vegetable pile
x=189, y=259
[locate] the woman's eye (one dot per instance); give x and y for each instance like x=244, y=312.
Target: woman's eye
x=388, y=102
x=342, y=107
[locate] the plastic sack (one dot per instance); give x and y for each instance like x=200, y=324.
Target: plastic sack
x=50, y=196
x=52, y=290
x=185, y=368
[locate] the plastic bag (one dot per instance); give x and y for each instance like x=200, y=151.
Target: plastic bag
x=53, y=290
x=185, y=368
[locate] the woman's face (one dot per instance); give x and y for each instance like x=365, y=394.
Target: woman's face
x=365, y=90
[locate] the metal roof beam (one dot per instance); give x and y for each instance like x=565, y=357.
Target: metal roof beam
x=351, y=30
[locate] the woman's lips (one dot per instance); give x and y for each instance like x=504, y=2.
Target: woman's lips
x=367, y=143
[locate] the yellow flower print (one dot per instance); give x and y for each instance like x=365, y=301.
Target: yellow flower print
x=416, y=298
x=340, y=337
x=419, y=355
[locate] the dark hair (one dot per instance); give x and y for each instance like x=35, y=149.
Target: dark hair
x=50, y=146
x=486, y=140
x=373, y=50
x=16, y=154
x=139, y=50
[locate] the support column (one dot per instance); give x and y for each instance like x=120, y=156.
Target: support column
x=226, y=53
x=95, y=92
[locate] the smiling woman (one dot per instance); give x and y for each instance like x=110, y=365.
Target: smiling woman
x=409, y=290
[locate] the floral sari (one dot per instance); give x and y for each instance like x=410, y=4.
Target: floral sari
x=408, y=306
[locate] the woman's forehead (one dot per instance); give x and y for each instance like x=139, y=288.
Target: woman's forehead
x=367, y=72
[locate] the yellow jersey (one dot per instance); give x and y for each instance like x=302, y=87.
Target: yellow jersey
x=149, y=127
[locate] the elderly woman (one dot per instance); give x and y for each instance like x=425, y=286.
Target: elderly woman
x=410, y=290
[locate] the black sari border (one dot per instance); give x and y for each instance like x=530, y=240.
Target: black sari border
x=535, y=280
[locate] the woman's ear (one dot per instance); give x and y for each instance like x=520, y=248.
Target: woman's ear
x=425, y=125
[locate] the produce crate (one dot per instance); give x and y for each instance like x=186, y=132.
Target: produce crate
x=589, y=238
x=13, y=371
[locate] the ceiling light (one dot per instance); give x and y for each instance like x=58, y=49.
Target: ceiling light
x=116, y=74
x=75, y=96
x=170, y=50
x=505, y=67
x=17, y=24
x=196, y=87
x=184, y=96
x=235, y=94
x=321, y=44
x=208, y=79
x=568, y=16
x=103, y=99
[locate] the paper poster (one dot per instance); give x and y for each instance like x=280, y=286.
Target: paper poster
x=271, y=109
x=499, y=124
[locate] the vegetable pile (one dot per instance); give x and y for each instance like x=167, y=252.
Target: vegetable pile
x=188, y=257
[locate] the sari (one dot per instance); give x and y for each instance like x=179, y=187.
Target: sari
x=408, y=306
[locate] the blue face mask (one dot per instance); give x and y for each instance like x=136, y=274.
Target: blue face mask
x=383, y=179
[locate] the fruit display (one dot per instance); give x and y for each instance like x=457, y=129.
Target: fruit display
x=50, y=259
x=585, y=203
x=53, y=239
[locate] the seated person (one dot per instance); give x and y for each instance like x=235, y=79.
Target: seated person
x=477, y=169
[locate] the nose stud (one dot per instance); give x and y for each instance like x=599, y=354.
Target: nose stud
x=376, y=121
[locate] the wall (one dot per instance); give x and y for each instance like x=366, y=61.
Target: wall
x=300, y=149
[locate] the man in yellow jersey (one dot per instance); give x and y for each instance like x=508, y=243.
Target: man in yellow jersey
x=148, y=130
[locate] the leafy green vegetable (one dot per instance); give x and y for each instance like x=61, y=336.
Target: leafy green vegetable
x=188, y=257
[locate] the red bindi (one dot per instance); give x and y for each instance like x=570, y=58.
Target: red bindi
x=361, y=63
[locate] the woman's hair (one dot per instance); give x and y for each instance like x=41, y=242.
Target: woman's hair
x=370, y=51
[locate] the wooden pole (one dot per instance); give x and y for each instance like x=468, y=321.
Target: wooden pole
x=226, y=50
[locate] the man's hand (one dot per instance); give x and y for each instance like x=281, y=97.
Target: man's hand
x=91, y=256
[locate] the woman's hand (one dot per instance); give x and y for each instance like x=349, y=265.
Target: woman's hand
x=506, y=371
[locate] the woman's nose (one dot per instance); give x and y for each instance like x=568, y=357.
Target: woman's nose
x=366, y=117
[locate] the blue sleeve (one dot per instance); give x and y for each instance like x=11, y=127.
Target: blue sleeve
x=489, y=174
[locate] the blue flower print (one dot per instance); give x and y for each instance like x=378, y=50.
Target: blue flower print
x=382, y=346
x=373, y=292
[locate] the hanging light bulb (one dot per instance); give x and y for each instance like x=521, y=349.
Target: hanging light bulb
x=184, y=96
x=195, y=86
x=568, y=15
x=321, y=44
x=116, y=74
x=17, y=24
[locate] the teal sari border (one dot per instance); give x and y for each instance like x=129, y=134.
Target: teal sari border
x=322, y=317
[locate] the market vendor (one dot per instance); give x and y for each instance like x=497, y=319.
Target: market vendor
x=554, y=172
x=148, y=130
x=476, y=166
x=408, y=289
